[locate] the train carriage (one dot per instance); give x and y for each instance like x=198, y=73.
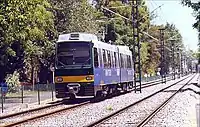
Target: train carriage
x=86, y=66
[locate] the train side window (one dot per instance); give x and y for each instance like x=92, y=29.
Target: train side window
x=111, y=56
x=109, y=59
x=104, y=58
x=126, y=58
x=117, y=60
x=121, y=61
x=131, y=57
x=128, y=61
x=96, y=59
x=114, y=59
x=125, y=61
x=100, y=58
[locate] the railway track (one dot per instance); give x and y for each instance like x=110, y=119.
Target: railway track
x=161, y=106
x=34, y=114
x=122, y=110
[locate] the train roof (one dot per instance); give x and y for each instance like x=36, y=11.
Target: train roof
x=78, y=36
x=107, y=46
x=124, y=49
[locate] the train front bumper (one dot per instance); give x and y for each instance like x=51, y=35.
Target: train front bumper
x=64, y=90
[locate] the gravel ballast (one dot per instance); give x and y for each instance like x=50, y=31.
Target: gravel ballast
x=135, y=114
x=182, y=111
x=90, y=113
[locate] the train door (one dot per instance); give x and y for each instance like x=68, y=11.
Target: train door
x=97, y=68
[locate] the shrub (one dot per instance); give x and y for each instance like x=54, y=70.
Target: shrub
x=13, y=82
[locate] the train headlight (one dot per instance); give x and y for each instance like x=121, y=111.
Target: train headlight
x=59, y=79
x=89, y=78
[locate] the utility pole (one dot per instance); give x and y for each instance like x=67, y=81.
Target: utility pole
x=178, y=55
x=173, y=60
x=181, y=63
x=184, y=64
x=163, y=67
x=136, y=44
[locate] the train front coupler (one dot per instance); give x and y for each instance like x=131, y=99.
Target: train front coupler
x=73, y=89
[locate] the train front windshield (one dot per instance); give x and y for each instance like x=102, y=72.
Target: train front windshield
x=73, y=54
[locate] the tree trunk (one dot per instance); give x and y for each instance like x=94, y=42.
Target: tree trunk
x=32, y=74
x=43, y=75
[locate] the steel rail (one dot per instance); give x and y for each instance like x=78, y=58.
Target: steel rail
x=146, y=84
x=43, y=115
x=99, y=121
x=30, y=110
x=161, y=106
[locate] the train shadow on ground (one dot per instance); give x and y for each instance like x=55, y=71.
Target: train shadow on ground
x=109, y=97
x=55, y=102
x=75, y=101
x=92, y=100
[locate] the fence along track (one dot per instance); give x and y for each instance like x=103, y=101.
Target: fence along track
x=98, y=122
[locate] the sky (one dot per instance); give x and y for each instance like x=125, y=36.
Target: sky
x=173, y=12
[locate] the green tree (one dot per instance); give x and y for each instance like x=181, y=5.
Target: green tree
x=172, y=33
x=74, y=16
x=26, y=30
x=196, y=7
x=153, y=61
x=119, y=30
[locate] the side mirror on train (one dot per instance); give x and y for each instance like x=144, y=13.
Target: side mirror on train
x=91, y=44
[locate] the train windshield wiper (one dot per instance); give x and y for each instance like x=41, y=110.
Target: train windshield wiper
x=63, y=65
x=85, y=62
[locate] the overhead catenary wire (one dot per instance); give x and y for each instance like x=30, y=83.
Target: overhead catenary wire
x=132, y=21
x=126, y=17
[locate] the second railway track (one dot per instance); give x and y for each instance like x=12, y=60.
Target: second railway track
x=162, y=105
x=106, y=120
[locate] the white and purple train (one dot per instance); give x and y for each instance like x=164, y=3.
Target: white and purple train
x=86, y=66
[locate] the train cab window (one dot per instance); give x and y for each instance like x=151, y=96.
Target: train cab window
x=104, y=59
x=109, y=59
x=96, y=59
